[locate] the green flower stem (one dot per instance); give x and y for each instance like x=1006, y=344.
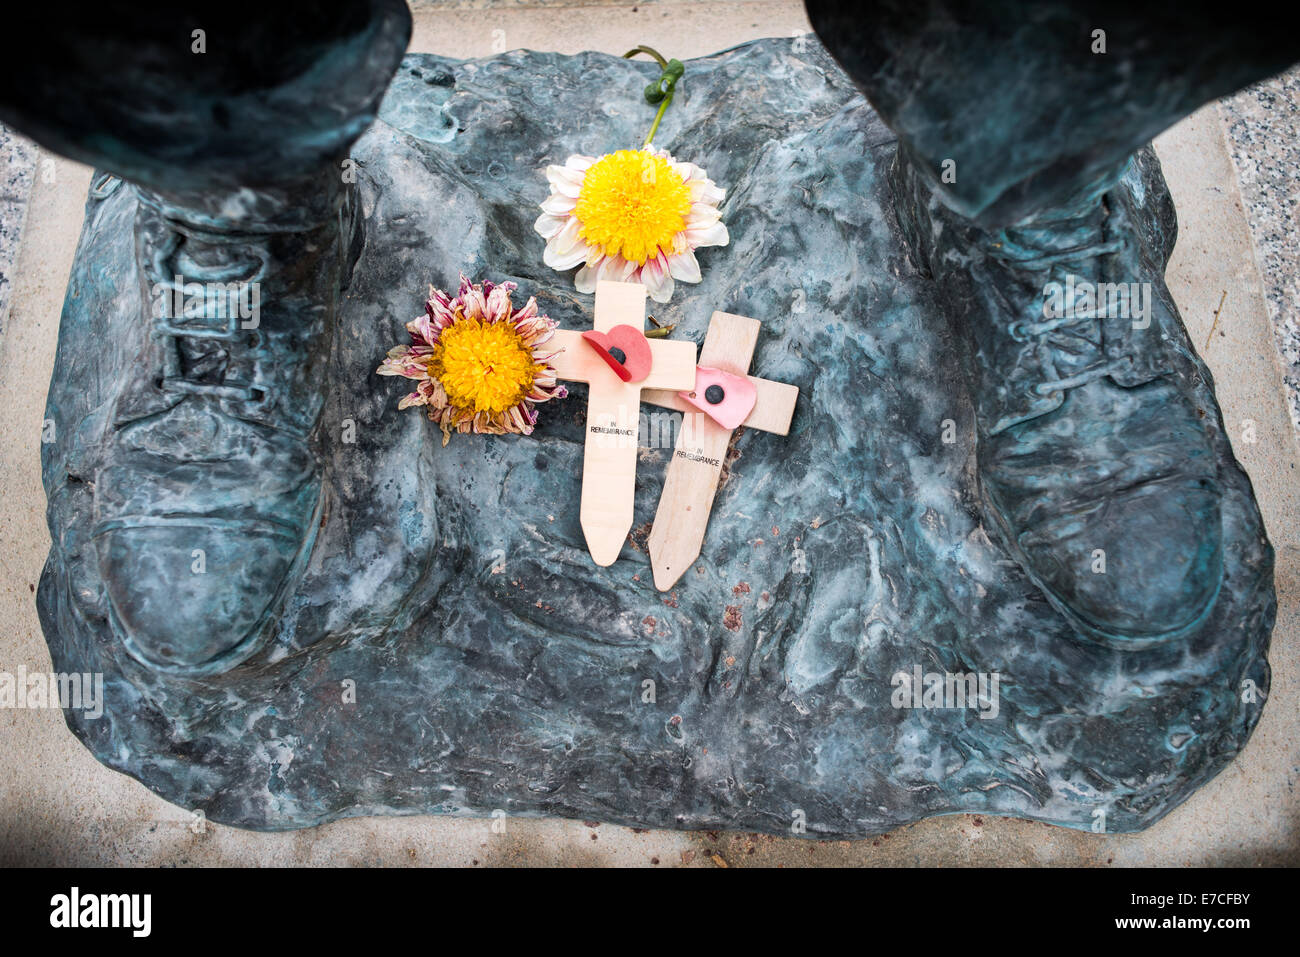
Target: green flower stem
x=661, y=91
x=649, y=51
x=654, y=128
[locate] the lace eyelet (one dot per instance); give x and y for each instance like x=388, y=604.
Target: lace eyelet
x=105, y=186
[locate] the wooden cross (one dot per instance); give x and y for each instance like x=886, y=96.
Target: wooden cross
x=696, y=465
x=616, y=365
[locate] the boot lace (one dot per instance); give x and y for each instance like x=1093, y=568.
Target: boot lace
x=215, y=322
x=1024, y=253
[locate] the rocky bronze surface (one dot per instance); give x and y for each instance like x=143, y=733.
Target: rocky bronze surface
x=450, y=647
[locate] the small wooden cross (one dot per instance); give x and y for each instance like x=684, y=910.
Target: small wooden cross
x=696, y=465
x=609, y=359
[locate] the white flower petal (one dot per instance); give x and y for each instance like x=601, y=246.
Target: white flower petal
x=557, y=175
x=473, y=304
x=557, y=204
x=701, y=215
x=688, y=171
x=562, y=261
x=616, y=269
x=656, y=279
x=585, y=280
x=563, y=186
x=715, y=235
x=498, y=301
x=684, y=267
x=579, y=162
x=568, y=190
x=567, y=238
x=548, y=225
x=704, y=191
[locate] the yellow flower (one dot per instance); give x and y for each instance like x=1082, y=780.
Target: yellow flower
x=479, y=365
x=630, y=216
x=483, y=366
x=632, y=203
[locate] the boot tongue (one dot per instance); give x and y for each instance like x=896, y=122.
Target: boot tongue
x=1065, y=253
x=203, y=361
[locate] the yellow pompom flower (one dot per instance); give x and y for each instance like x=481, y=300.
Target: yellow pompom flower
x=479, y=365
x=630, y=216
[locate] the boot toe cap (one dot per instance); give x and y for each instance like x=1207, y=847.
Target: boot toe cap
x=1137, y=569
x=194, y=598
